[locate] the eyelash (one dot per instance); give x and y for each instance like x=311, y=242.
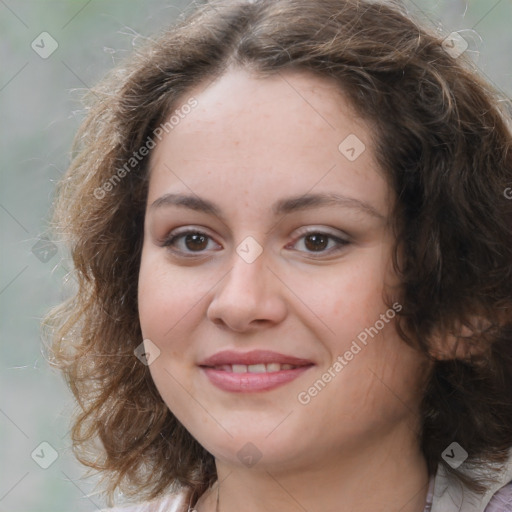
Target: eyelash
x=170, y=241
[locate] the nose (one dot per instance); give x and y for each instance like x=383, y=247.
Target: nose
x=249, y=297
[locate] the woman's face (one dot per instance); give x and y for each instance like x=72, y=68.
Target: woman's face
x=266, y=253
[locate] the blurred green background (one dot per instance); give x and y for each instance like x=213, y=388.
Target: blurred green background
x=40, y=112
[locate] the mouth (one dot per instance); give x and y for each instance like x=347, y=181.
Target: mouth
x=252, y=371
x=253, y=368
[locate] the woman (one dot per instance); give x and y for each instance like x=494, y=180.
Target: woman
x=293, y=249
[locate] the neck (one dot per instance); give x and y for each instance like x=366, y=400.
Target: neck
x=385, y=475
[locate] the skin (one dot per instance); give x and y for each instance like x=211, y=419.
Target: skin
x=249, y=143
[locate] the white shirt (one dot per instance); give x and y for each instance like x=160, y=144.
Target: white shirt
x=444, y=495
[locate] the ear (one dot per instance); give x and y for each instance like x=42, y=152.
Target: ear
x=466, y=341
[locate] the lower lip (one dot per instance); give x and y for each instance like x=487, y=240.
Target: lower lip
x=252, y=382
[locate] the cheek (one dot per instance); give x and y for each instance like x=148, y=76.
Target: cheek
x=164, y=297
x=349, y=299
x=362, y=331
x=166, y=300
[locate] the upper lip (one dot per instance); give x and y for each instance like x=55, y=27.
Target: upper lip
x=226, y=357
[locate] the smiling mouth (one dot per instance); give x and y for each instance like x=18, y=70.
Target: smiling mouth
x=253, y=378
x=254, y=368
x=253, y=371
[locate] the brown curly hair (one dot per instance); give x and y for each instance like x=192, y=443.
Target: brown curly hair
x=442, y=139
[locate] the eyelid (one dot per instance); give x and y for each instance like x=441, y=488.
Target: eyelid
x=341, y=240
x=322, y=230
x=181, y=232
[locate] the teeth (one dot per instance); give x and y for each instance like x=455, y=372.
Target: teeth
x=256, y=368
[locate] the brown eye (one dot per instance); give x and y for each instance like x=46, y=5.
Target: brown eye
x=187, y=242
x=321, y=243
x=316, y=242
x=196, y=241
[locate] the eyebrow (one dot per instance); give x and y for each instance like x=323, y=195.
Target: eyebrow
x=281, y=207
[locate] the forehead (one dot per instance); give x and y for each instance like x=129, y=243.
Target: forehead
x=262, y=136
x=239, y=96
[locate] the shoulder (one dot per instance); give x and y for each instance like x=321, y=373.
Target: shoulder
x=502, y=500
x=169, y=503
x=448, y=495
